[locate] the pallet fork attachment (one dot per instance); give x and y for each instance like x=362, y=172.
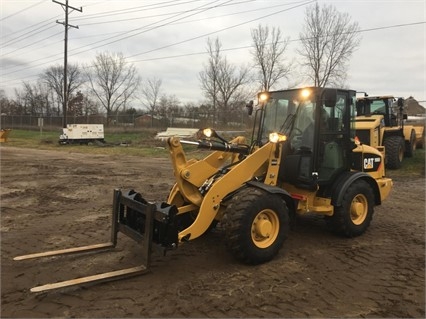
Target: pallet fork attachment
x=133, y=216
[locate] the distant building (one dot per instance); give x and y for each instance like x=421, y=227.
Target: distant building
x=413, y=107
x=147, y=120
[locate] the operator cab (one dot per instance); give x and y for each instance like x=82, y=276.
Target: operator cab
x=379, y=105
x=319, y=124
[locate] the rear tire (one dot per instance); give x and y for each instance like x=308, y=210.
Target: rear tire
x=354, y=216
x=394, y=150
x=256, y=224
x=411, y=146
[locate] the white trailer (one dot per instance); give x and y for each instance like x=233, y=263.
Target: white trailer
x=82, y=134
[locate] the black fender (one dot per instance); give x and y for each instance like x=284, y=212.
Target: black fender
x=291, y=204
x=348, y=178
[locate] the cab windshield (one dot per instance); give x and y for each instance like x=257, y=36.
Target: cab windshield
x=290, y=113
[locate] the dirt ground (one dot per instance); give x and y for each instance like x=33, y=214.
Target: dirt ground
x=53, y=200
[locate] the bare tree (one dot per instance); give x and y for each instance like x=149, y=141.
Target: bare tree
x=53, y=77
x=168, y=108
x=220, y=80
x=230, y=83
x=209, y=76
x=6, y=105
x=328, y=41
x=35, y=98
x=113, y=81
x=269, y=56
x=151, y=89
x=21, y=102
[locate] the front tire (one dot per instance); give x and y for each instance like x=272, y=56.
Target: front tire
x=256, y=224
x=354, y=215
x=394, y=151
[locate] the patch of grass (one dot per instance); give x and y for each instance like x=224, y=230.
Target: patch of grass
x=118, y=142
x=411, y=166
x=142, y=143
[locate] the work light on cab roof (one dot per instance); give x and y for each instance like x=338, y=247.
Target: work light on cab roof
x=263, y=97
x=305, y=93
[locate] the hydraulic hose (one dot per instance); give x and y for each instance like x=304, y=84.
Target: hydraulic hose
x=219, y=146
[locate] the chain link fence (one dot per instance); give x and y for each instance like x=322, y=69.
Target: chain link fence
x=224, y=120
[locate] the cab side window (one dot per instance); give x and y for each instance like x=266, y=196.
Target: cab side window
x=331, y=157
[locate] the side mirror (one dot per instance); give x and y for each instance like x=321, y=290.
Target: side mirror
x=249, y=107
x=329, y=97
x=400, y=102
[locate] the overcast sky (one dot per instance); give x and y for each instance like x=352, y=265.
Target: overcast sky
x=167, y=39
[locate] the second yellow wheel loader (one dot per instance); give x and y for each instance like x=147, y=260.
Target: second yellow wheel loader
x=301, y=158
x=381, y=124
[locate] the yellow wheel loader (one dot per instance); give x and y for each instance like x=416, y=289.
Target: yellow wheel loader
x=301, y=158
x=381, y=124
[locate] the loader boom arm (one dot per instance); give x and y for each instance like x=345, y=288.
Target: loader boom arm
x=191, y=175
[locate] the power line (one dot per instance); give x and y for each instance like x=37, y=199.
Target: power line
x=241, y=12
x=160, y=14
x=250, y=46
x=37, y=41
x=184, y=22
x=41, y=22
x=188, y=21
x=187, y=40
x=20, y=11
x=294, y=40
x=91, y=47
x=237, y=48
x=28, y=34
x=121, y=33
x=221, y=30
x=28, y=27
x=30, y=44
x=153, y=28
x=136, y=9
x=392, y=26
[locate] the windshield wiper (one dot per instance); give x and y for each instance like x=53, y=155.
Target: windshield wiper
x=288, y=123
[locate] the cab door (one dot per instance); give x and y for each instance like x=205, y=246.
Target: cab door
x=334, y=136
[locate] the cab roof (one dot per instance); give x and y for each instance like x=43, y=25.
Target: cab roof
x=377, y=97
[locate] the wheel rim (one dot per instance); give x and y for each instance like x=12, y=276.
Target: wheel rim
x=265, y=228
x=359, y=209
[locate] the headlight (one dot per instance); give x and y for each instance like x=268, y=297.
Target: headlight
x=277, y=137
x=305, y=93
x=208, y=132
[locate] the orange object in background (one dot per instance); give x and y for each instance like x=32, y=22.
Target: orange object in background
x=4, y=134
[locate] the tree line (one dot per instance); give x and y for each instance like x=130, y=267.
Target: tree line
x=110, y=85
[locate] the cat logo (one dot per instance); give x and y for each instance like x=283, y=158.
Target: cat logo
x=369, y=162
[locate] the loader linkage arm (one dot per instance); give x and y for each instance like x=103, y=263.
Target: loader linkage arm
x=191, y=174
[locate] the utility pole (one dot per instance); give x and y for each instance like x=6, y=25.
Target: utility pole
x=66, y=7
